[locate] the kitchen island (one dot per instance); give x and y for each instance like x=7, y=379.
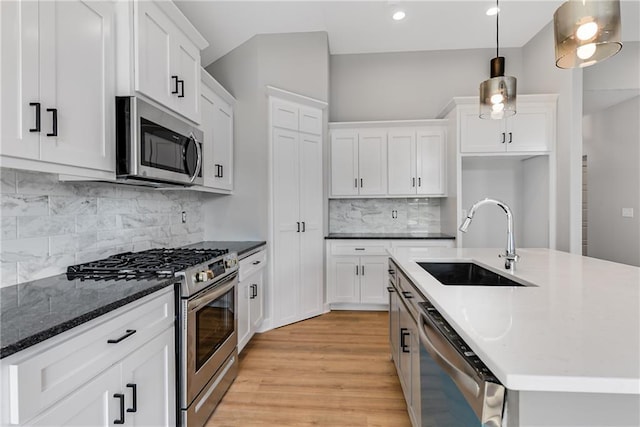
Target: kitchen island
x=567, y=347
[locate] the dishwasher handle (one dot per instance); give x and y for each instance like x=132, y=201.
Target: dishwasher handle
x=455, y=369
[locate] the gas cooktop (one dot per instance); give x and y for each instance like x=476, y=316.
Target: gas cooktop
x=149, y=264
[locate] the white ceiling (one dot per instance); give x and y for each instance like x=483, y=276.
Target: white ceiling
x=366, y=26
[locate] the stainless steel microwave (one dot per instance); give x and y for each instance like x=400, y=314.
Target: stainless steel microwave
x=154, y=147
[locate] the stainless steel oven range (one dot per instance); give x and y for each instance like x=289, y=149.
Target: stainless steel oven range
x=207, y=320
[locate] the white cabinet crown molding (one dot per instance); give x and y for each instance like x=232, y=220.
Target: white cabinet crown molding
x=294, y=97
x=471, y=100
x=178, y=18
x=215, y=86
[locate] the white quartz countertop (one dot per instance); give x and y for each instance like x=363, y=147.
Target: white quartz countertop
x=577, y=330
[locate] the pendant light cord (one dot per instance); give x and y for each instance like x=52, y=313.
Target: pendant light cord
x=497, y=29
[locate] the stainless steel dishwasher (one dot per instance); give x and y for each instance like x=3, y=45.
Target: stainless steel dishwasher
x=456, y=387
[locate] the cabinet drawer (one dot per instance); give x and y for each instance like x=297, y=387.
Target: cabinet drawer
x=359, y=249
x=251, y=264
x=46, y=373
x=410, y=295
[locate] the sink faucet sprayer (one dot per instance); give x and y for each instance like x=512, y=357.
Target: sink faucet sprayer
x=510, y=254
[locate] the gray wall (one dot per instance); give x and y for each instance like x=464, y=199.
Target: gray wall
x=295, y=62
x=409, y=85
x=542, y=76
x=612, y=146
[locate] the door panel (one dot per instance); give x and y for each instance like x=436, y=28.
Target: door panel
x=373, y=280
x=345, y=281
x=480, y=135
x=257, y=302
x=19, y=78
x=208, y=110
x=430, y=153
x=78, y=79
x=402, y=162
x=372, y=162
x=186, y=65
x=344, y=163
x=529, y=129
x=223, y=144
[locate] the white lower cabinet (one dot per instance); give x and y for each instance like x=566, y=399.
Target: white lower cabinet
x=250, y=297
x=357, y=270
x=79, y=378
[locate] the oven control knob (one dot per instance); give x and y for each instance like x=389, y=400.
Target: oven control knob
x=203, y=276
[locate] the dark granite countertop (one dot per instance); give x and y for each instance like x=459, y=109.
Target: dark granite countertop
x=389, y=236
x=242, y=248
x=32, y=312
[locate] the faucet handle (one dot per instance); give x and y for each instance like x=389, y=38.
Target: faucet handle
x=509, y=261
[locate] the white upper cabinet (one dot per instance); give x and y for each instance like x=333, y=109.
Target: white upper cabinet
x=166, y=56
x=417, y=161
x=217, y=126
x=382, y=159
x=358, y=162
x=58, y=86
x=530, y=130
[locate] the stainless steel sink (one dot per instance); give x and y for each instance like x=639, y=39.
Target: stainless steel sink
x=466, y=274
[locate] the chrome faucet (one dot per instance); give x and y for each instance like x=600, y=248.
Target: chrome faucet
x=510, y=256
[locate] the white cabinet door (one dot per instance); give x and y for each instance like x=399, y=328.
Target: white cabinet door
x=344, y=163
x=344, y=279
x=529, y=129
x=153, y=54
x=480, y=135
x=19, y=70
x=311, y=236
x=185, y=63
x=373, y=280
x=372, y=162
x=287, y=226
x=77, y=82
x=149, y=383
x=244, y=311
x=404, y=359
x=256, y=302
x=401, y=157
x=207, y=125
x=93, y=404
x=430, y=153
x=223, y=146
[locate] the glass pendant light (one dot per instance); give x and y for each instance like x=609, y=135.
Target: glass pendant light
x=586, y=31
x=498, y=94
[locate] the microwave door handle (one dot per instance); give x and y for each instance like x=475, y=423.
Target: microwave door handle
x=461, y=378
x=199, y=162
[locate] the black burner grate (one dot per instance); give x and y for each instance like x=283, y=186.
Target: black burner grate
x=149, y=264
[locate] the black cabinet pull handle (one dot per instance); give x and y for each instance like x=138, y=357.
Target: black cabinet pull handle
x=404, y=332
x=254, y=291
x=54, y=115
x=360, y=249
x=362, y=266
x=37, y=105
x=121, y=397
x=357, y=270
x=297, y=222
x=419, y=182
x=407, y=294
x=304, y=226
x=218, y=173
x=503, y=138
x=392, y=272
x=356, y=181
x=413, y=182
x=181, y=82
x=390, y=289
x=510, y=137
x=175, y=85
x=126, y=335
x=221, y=171
x=134, y=396
x=361, y=183
x=255, y=262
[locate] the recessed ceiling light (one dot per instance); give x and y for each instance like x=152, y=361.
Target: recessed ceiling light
x=399, y=15
x=493, y=11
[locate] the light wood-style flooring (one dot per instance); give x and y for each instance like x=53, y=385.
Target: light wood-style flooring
x=332, y=370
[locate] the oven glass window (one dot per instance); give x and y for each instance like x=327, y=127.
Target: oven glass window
x=214, y=324
x=161, y=148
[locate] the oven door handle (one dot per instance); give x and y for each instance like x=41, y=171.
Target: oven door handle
x=218, y=291
x=459, y=372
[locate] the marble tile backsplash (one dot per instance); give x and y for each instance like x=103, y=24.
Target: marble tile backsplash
x=48, y=225
x=375, y=215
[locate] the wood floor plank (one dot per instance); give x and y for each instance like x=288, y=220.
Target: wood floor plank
x=332, y=370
